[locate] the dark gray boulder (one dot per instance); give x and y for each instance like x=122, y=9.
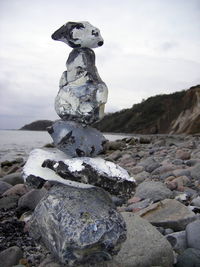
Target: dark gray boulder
x=75, y=140
x=78, y=225
x=189, y=258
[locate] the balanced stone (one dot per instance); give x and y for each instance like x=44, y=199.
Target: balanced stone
x=75, y=140
x=78, y=225
x=82, y=95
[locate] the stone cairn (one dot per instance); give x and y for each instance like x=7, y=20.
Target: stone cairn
x=77, y=220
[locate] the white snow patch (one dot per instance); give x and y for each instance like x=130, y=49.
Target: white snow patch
x=76, y=165
x=34, y=163
x=102, y=166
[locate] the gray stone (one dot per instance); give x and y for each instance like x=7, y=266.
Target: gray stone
x=78, y=225
x=140, y=177
x=10, y=256
x=189, y=258
x=32, y=198
x=13, y=178
x=139, y=205
x=153, y=190
x=168, y=213
x=177, y=241
x=151, y=167
x=82, y=95
x=195, y=172
x=196, y=201
x=4, y=187
x=8, y=202
x=193, y=234
x=144, y=246
x=75, y=140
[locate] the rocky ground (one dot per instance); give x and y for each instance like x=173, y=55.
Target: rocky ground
x=167, y=174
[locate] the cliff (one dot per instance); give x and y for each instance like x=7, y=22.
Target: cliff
x=40, y=125
x=168, y=113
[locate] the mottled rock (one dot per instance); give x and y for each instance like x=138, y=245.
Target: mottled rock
x=168, y=213
x=82, y=95
x=75, y=140
x=94, y=171
x=183, y=154
x=139, y=205
x=4, y=187
x=195, y=172
x=18, y=189
x=141, y=177
x=189, y=258
x=78, y=225
x=10, y=256
x=32, y=198
x=153, y=190
x=137, y=169
x=8, y=202
x=193, y=234
x=177, y=241
x=13, y=178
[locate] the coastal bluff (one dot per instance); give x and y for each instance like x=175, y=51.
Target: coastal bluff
x=176, y=113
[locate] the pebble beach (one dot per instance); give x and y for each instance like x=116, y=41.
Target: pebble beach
x=166, y=170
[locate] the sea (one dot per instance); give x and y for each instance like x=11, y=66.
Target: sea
x=15, y=143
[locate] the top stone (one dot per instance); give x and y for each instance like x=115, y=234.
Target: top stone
x=79, y=34
x=82, y=94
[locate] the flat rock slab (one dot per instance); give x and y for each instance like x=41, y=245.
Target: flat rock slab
x=78, y=225
x=168, y=213
x=75, y=140
x=86, y=171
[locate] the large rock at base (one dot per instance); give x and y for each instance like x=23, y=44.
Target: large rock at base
x=168, y=213
x=75, y=140
x=144, y=246
x=95, y=171
x=78, y=225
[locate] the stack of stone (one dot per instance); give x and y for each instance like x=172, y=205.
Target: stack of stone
x=77, y=220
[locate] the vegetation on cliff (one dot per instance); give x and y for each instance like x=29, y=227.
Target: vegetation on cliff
x=157, y=114
x=40, y=125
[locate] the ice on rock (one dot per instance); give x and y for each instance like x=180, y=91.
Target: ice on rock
x=33, y=167
x=75, y=140
x=94, y=171
x=80, y=172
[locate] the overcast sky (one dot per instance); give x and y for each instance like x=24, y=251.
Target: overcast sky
x=150, y=47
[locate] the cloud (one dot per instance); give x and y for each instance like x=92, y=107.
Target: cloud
x=151, y=47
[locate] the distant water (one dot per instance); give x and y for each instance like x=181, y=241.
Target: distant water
x=14, y=143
